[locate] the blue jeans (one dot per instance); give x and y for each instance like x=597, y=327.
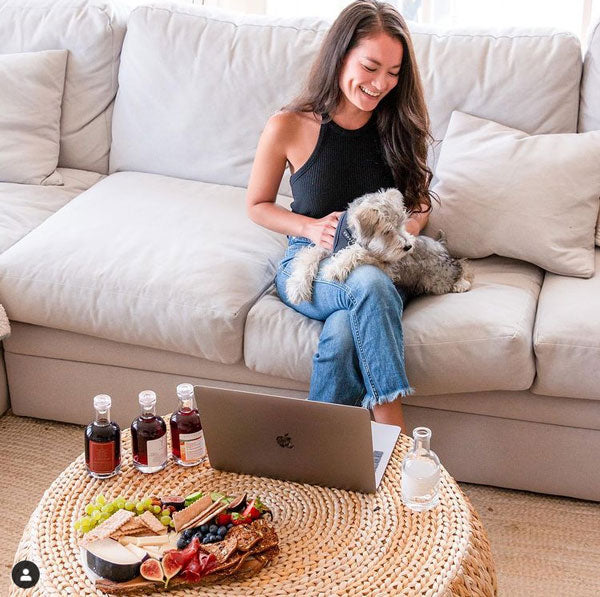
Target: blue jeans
x=360, y=357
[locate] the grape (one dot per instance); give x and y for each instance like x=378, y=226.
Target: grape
x=139, y=507
x=96, y=515
x=89, y=509
x=147, y=502
x=166, y=520
x=104, y=516
x=129, y=506
x=101, y=500
x=106, y=509
x=172, y=524
x=166, y=512
x=119, y=503
x=77, y=525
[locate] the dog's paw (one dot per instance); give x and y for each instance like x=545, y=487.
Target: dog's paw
x=462, y=285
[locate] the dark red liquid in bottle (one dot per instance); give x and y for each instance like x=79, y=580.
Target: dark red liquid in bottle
x=143, y=430
x=183, y=421
x=102, y=448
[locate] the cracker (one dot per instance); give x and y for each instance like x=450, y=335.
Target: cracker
x=182, y=517
x=108, y=527
x=246, y=536
x=221, y=550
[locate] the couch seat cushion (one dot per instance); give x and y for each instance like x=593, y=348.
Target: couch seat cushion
x=24, y=206
x=567, y=336
x=476, y=341
x=148, y=260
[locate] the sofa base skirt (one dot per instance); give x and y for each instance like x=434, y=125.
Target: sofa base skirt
x=474, y=448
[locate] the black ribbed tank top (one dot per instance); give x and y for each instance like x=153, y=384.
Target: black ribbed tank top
x=345, y=164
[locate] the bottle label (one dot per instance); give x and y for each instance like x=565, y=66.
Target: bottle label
x=157, y=451
x=192, y=446
x=102, y=457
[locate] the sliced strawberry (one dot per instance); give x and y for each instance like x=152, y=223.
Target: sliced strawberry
x=237, y=518
x=254, y=509
x=222, y=519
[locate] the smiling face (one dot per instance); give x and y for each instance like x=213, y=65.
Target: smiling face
x=369, y=72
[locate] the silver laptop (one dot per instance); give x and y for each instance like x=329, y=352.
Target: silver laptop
x=294, y=439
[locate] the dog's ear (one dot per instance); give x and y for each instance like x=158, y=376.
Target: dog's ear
x=395, y=195
x=369, y=221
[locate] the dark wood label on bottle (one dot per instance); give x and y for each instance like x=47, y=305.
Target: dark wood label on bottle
x=102, y=457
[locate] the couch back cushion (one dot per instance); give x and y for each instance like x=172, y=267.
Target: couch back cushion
x=589, y=112
x=92, y=31
x=196, y=86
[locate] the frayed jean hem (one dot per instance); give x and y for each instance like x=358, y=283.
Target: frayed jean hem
x=369, y=401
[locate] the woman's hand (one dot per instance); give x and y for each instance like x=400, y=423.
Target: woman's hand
x=322, y=230
x=412, y=227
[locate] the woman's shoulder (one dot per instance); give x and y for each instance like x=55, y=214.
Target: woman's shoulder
x=287, y=124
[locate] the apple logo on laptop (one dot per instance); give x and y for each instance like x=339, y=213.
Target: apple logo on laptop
x=285, y=441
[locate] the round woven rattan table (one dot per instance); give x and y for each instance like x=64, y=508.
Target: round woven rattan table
x=332, y=542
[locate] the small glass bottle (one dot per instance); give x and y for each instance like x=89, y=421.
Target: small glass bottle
x=420, y=473
x=149, y=436
x=187, y=437
x=102, y=441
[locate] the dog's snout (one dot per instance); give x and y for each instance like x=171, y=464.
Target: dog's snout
x=407, y=247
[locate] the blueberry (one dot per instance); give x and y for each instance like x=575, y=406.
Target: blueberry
x=206, y=539
x=218, y=538
x=213, y=528
x=229, y=525
x=222, y=531
x=204, y=528
x=182, y=542
x=188, y=533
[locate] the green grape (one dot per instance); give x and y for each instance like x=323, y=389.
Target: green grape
x=106, y=509
x=104, y=516
x=119, y=503
x=139, y=507
x=89, y=509
x=96, y=515
x=86, y=524
x=172, y=523
x=129, y=506
x=77, y=525
x=166, y=520
x=166, y=512
x=101, y=500
x=156, y=509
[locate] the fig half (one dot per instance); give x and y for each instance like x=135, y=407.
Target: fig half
x=152, y=570
x=171, y=564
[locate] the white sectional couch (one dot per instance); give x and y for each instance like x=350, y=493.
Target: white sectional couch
x=144, y=271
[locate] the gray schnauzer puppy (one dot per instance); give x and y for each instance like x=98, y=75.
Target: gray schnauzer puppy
x=378, y=237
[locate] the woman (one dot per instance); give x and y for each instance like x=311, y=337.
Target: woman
x=361, y=124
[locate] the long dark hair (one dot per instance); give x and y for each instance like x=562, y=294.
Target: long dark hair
x=401, y=116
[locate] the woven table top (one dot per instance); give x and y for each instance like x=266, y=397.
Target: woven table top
x=332, y=542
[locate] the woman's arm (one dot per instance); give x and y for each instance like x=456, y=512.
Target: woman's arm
x=267, y=171
x=417, y=221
